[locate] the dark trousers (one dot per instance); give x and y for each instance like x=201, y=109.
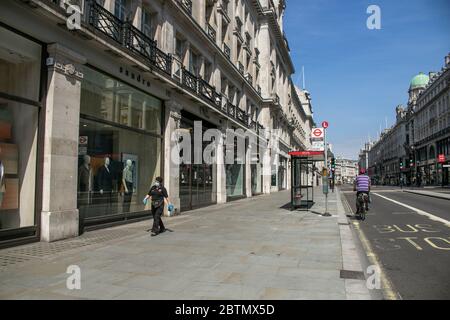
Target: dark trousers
x=359, y=192
x=127, y=197
x=158, y=225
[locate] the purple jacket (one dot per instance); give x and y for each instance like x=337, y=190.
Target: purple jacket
x=362, y=183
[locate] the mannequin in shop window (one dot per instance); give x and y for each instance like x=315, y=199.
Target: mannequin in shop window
x=127, y=182
x=2, y=182
x=84, y=188
x=85, y=179
x=105, y=184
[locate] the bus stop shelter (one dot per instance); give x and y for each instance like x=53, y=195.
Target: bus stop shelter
x=302, y=178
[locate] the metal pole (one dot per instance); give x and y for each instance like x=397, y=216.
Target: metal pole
x=326, y=214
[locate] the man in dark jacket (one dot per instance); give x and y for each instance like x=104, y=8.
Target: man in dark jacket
x=158, y=196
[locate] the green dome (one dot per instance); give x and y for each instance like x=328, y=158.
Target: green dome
x=419, y=81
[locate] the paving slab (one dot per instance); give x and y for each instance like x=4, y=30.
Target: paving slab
x=247, y=249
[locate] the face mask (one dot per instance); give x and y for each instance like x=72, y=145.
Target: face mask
x=157, y=183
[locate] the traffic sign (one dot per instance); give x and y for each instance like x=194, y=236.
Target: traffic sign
x=317, y=133
x=325, y=124
x=441, y=158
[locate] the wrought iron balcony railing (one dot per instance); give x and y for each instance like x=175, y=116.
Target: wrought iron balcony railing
x=241, y=116
x=177, y=66
x=249, y=78
x=187, y=5
x=206, y=90
x=258, y=89
x=231, y=110
x=189, y=81
x=211, y=32
x=138, y=42
x=241, y=67
x=163, y=61
x=130, y=38
x=105, y=22
x=227, y=51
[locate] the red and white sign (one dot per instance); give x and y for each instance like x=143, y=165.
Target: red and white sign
x=325, y=124
x=441, y=158
x=317, y=133
x=305, y=153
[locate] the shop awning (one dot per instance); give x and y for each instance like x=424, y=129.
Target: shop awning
x=311, y=155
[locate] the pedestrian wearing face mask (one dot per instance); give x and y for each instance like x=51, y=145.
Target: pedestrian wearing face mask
x=158, y=196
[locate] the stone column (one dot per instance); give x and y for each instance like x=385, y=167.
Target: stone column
x=221, y=182
x=248, y=170
x=171, y=168
x=59, y=216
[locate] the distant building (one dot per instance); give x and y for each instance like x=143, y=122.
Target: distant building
x=409, y=151
x=346, y=170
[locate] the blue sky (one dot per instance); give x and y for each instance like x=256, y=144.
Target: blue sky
x=358, y=76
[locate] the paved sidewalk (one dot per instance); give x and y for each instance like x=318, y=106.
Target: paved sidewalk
x=250, y=249
x=435, y=194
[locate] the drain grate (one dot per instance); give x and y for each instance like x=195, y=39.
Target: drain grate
x=350, y=274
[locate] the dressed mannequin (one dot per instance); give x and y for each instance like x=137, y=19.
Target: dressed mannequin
x=85, y=175
x=2, y=182
x=127, y=181
x=105, y=184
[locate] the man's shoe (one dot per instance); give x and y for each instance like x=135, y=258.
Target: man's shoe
x=154, y=234
x=163, y=230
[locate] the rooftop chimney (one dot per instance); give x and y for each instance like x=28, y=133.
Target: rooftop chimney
x=447, y=60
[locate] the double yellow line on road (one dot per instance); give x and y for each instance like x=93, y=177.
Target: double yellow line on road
x=387, y=287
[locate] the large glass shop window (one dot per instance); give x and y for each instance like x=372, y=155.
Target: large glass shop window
x=20, y=63
x=235, y=175
x=108, y=99
x=117, y=165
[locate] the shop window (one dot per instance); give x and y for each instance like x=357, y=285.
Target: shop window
x=119, y=148
x=20, y=62
x=105, y=98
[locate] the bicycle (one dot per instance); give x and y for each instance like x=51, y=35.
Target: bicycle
x=362, y=205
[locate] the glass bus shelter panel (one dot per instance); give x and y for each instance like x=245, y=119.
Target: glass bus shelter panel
x=302, y=195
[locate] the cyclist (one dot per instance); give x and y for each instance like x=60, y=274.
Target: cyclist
x=362, y=185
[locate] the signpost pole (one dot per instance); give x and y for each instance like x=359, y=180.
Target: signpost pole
x=326, y=214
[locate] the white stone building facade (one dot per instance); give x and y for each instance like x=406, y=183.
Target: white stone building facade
x=97, y=108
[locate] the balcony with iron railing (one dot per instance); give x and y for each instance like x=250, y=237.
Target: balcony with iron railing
x=128, y=37
x=212, y=34
x=241, y=116
x=241, y=67
x=231, y=110
x=189, y=80
x=249, y=78
x=209, y=93
x=104, y=21
x=227, y=51
x=186, y=5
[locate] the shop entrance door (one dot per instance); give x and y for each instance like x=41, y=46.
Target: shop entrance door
x=196, y=180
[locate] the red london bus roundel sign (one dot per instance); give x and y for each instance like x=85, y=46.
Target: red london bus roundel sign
x=317, y=133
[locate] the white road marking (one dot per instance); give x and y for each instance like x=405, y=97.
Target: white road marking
x=421, y=212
